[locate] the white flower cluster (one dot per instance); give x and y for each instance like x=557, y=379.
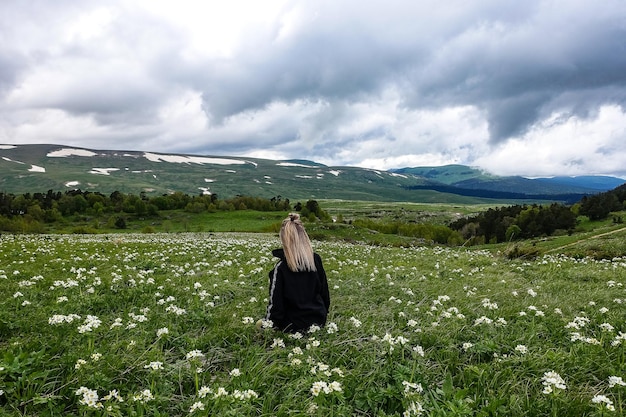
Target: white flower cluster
x=89, y=398
x=314, y=328
x=65, y=284
x=176, y=310
x=245, y=395
x=393, y=341
x=521, y=349
x=552, y=382
x=155, y=365
x=90, y=323
x=319, y=387
x=312, y=343
x=482, y=320
x=489, y=305
x=143, y=396
x=414, y=409
x=616, y=380
x=577, y=337
x=267, y=324
x=60, y=318
x=331, y=328
x=355, y=322
x=412, y=388
x=322, y=368
x=604, y=401
x=418, y=350
x=198, y=405
x=467, y=346
x=278, y=343
x=621, y=337
x=606, y=327
x=241, y=395
x=412, y=392
x=577, y=323
x=194, y=354
x=113, y=395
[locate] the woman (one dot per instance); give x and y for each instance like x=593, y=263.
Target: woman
x=299, y=296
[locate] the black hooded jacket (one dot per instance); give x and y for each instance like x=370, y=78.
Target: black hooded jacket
x=297, y=299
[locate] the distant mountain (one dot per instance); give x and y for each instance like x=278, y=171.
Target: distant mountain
x=38, y=168
x=591, y=182
x=481, y=183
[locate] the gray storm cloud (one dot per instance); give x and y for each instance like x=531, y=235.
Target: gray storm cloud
x=313, y=77
x=517, y=69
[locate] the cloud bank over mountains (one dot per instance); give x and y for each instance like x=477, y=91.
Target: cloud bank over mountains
x=531, y=88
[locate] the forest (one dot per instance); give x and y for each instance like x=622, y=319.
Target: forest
x=29, y=212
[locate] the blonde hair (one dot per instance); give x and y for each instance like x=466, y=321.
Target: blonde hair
x=296, y=244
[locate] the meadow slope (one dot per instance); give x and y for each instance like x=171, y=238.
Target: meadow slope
x=164, y=325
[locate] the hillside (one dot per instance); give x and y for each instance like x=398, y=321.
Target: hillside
x=38, y=168
x=465, y=177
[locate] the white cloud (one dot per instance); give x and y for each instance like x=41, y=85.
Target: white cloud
x=577, y=146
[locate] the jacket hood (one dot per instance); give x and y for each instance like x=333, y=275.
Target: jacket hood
x=279, y=253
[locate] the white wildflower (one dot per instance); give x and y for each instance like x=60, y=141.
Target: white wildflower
x=196, y=406
x=603, y=400
x=616, y=380
x=194, y=354
x=155, y=366
x=521, y=349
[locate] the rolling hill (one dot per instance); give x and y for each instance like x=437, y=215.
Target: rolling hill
x=38, y=168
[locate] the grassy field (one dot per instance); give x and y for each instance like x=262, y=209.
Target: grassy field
x=257, y=221
x=164, y=325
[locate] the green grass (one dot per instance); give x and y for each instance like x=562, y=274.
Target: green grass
x=173, y=221
x=476, y=331
x=439, y=213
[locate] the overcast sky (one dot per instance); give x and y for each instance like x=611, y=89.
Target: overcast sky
x=534, y=88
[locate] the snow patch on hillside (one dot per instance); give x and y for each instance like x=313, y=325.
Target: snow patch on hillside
x=393, y=174
x=191, y=159
x=35, y=168
x=72, y=183
x=10, y=160
x=103, y=171
x=291, y=164
x=62, y=153
x=335, y=173
x=8, y=146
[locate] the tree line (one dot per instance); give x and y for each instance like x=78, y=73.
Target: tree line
x=516, y=222
x=505, y=224
x=600, y=206
x=28, y=212
x=529, y=221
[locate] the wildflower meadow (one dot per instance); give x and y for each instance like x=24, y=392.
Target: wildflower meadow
x=166, y=325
